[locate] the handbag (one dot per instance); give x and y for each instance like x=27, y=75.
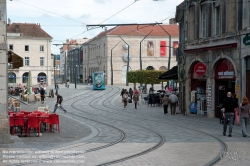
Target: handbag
x=237, y=117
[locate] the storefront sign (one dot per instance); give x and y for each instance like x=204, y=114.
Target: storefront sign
x=199, y=71
x=246, y=40
x=225, y=70
x=200, y=68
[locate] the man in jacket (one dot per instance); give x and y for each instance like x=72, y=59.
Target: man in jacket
x=59, y=103
x=228, y=107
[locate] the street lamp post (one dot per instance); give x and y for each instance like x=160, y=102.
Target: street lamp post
x=127, y=61
x=75, y=75
x=111, y=63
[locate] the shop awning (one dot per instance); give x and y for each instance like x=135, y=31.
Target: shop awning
x=15, y=60
x=171, y=74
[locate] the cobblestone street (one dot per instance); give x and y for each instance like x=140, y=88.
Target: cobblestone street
x=97, y=130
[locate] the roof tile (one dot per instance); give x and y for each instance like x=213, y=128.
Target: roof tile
x=28, y=30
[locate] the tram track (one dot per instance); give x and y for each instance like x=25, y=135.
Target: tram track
x=160, y=143
x=156, y=146
x=86, y=151
x=210, y=163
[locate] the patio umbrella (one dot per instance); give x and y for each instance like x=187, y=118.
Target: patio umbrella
x=29, y=84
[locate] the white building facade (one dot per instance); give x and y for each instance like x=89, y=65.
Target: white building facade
x=31, y=43
x=154, y=51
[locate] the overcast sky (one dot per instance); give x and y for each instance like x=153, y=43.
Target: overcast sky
x=67, y=19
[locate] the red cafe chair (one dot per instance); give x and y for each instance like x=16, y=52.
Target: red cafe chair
x=33, y=123
x=19, y=121
x=54, y=120
x=45, y=120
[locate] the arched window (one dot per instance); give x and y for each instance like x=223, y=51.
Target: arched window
x=163, y=68
x=11, y=77
x=150, y=68
x=25, y=77
x=41, y=77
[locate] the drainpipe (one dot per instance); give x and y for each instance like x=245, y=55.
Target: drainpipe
x=47, y=77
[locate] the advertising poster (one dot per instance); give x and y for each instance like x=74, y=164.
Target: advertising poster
x=237, y=90
x=163, y=48
x=150, y=48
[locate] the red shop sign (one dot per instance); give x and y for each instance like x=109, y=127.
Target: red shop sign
x=225, y=70
x=200, y=68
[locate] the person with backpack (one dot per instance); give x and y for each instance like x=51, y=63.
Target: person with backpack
x=59, y=100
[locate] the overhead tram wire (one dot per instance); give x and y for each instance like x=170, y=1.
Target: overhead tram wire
x=50, y=12
x=106, y=19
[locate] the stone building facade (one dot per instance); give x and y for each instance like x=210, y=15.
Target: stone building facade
x=32, y=44
x=4, y=125
x=154, y=50
x=215, y=58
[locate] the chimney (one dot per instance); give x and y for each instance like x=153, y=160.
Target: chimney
x=67, y=40
x=105, y=29
x=172, y=21
x=9, y=21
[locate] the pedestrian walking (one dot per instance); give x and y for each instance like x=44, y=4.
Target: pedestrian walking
x=67, y=84
x=125, y=99
x=56, y=87
x=138, y=92
x=173, y=100
x=244, y=115
x=59, y=100
x=122, y=92
x=165, y=102
x=131, y=93
x=228, y=107
x=136, y=98
x=42, y=94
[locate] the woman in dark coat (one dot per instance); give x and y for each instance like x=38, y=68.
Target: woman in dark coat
x=165, y=102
